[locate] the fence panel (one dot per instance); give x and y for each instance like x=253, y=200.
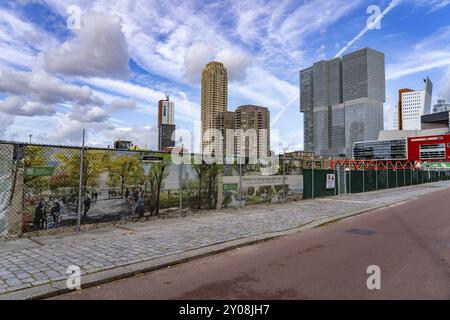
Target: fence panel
x=382, y=179
x=7, y=175
x=51, y=187
x=320, y=183
x=370, y=183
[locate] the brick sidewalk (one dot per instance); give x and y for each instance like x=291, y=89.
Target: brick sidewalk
x=39, y=263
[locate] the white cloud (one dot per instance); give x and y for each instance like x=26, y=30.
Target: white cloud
x=19, y=106
x=392, y=5
x=88, y=114
x=433, y=4
x=236, y=63
x=122, y=104
x=69, y=131
x=5, y=122
x=142, y=136
x=430, y=53
x=41, y=87
x=99, y=49
x=195, y=59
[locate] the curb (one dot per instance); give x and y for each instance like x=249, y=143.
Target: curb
x=102, y=277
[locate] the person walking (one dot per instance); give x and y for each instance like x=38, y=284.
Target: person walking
x=140, y=206
x=38, y=215
x=56, y=213
x=87, y=205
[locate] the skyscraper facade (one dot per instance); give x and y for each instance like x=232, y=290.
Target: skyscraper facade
x=225, y=122
x=252, y=126
x=342, y=102
x=364, y=86
x=214, y=98
x=166, y=125
x=413, y=104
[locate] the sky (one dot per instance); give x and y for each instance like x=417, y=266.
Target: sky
x=103, y=65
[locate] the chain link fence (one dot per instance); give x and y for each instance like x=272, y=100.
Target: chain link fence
x=46, y=189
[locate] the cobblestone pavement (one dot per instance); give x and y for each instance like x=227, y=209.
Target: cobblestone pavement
x=43, y=260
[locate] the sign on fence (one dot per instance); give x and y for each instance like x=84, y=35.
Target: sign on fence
x=230, y=186
x=331, y=181
x=39, y=171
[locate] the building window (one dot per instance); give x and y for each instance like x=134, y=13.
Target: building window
x=432, y=151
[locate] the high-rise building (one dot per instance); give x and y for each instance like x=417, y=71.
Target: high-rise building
x=166, y=111
x=225, y=122
x=392, y=118
x=342, y=102
x=364, y=84
x=307, y=107
x=214, y=98
x=166, y=125
x=413, y=104
x=252, y=127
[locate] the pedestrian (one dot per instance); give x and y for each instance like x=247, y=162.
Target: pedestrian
x=87, y=205
x=140, y=206
x=56, y=213
x=38, y=214
x=127, y=194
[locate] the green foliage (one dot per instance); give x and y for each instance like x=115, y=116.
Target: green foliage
x=35, y=156
x=125, y=170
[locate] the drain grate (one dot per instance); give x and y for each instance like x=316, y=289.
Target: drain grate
x=363, y=232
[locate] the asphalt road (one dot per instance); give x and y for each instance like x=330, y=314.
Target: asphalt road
x=410, y=242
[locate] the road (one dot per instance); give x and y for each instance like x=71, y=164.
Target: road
x=410, y=242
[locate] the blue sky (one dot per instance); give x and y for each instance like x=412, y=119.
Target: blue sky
x=108, y=75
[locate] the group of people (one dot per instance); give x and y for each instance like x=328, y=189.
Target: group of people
x=41, y=214
x=44, y=211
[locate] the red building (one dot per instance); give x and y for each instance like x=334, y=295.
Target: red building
x=429, y=148
x=401, y=153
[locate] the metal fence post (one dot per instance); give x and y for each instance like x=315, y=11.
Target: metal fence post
x=312, y=178
x=387, y=178
x=376, y=178
x=364, y=178
x=335, y=181
x=180, y=181
x=240, y=182
x=284, y=175
x=396, y=177
x=80, y=190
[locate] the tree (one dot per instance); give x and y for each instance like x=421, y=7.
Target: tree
x=207, y=175
x=158, y=172
x=35, y=156
x=128, y=168
x=95, y=163
x=200, y=170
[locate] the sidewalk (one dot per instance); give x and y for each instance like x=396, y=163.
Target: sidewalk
x=32, y=268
